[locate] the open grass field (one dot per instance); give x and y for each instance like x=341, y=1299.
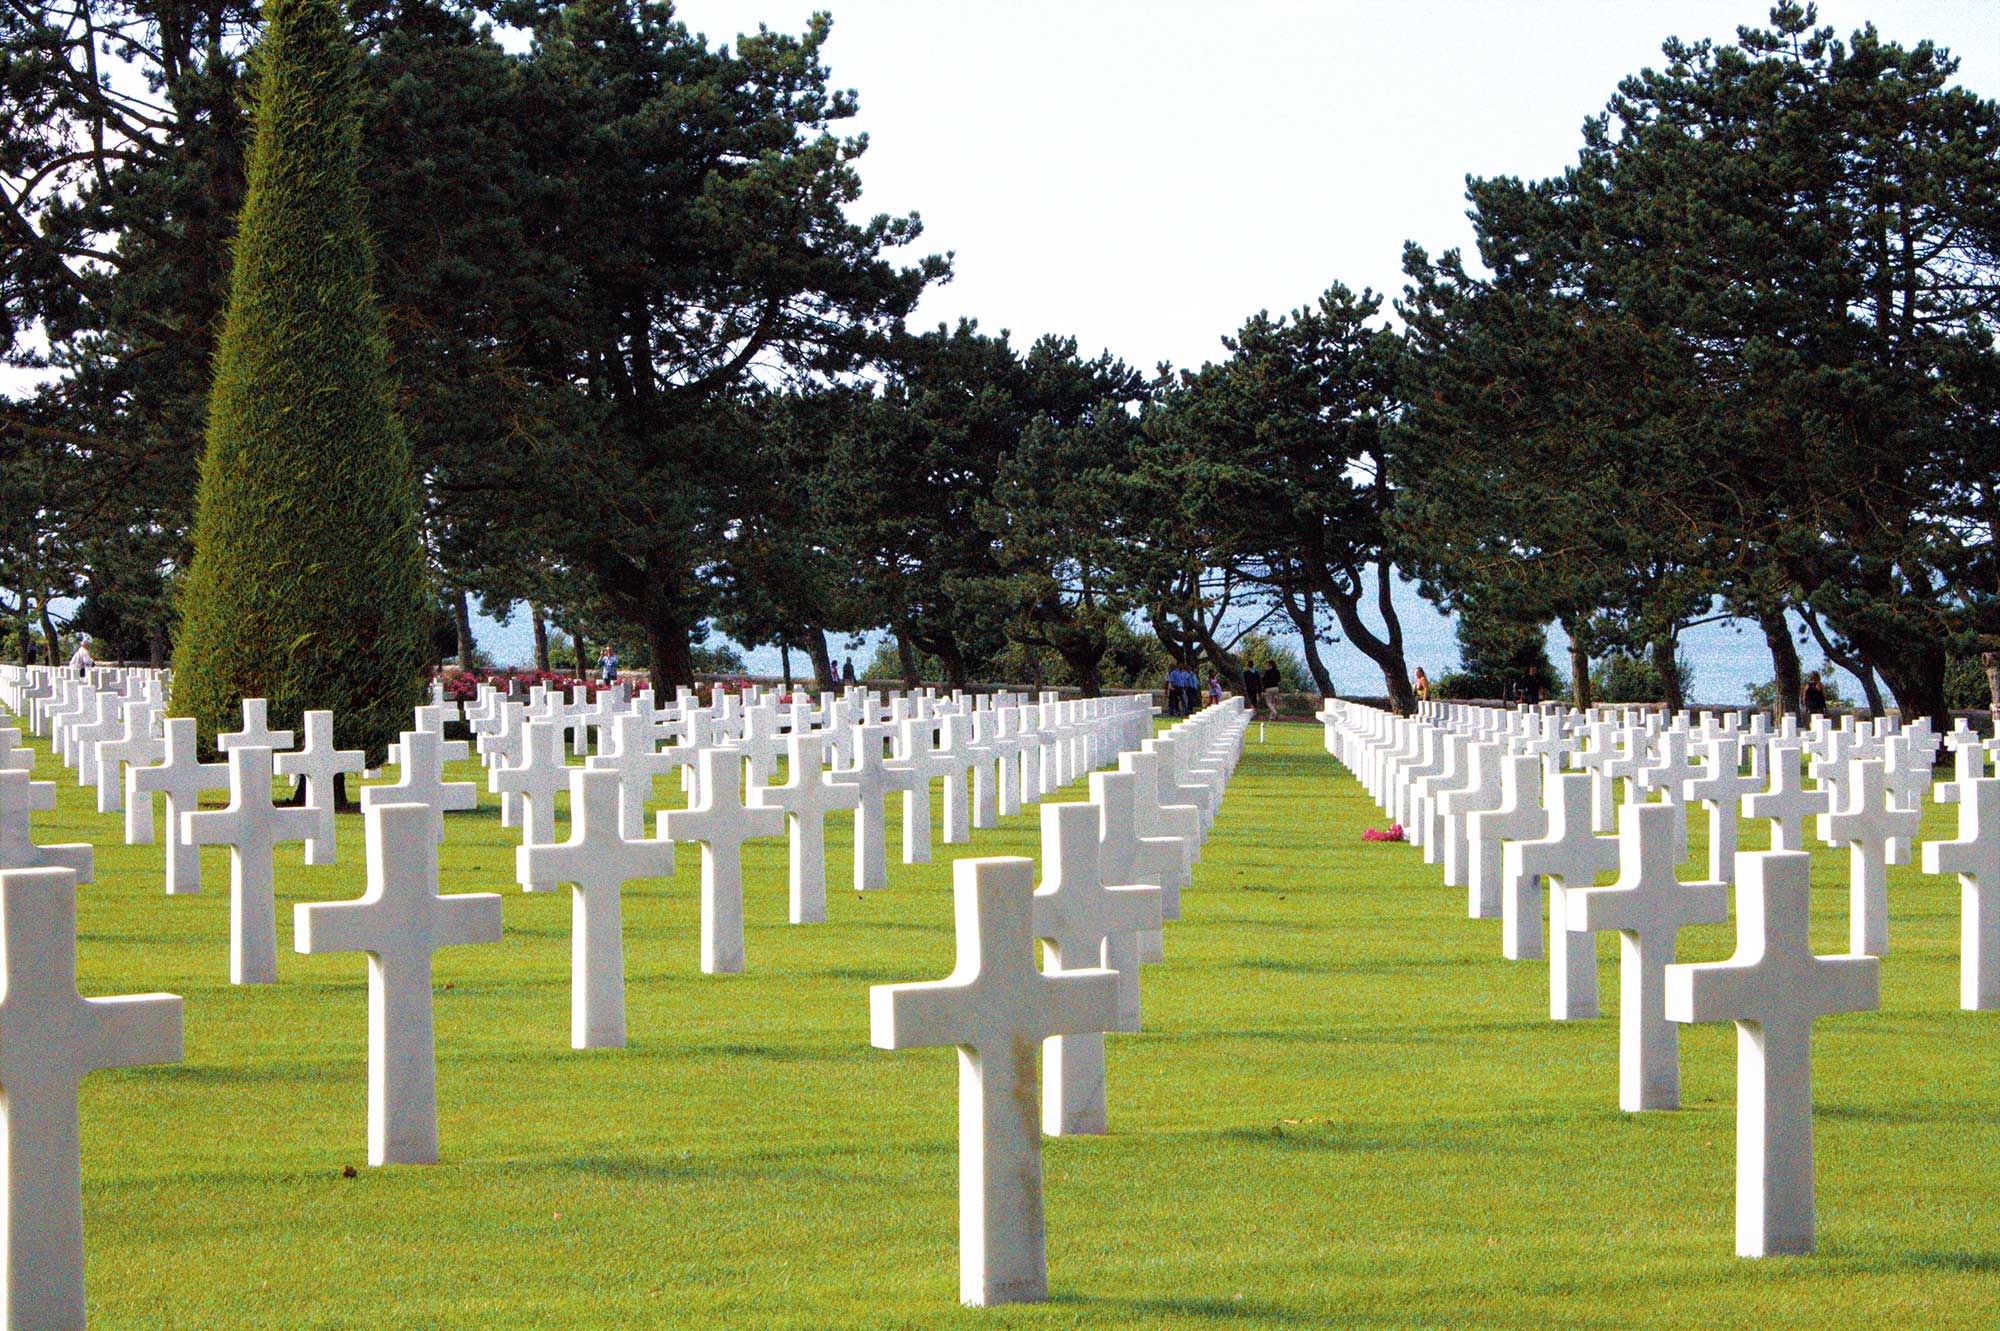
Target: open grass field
x=1347, y=1110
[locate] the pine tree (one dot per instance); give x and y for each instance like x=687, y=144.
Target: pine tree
x=307, y=585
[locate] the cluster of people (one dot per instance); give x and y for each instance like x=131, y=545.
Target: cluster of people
x=1185, y=689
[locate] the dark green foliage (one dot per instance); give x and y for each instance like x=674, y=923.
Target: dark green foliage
x=1966, y=685
x=1498, y=658
x=1623, y=678
x=717, y=659
x=1765, y=696
x=307, y=585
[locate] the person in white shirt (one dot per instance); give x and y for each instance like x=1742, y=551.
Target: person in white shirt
x=80, y=660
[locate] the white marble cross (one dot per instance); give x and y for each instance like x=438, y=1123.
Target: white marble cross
x=1720, y=789
x=1868, y=824
x=956, y=758
x=915, y=766
x=1600, y=749
x=1772, y=989
x=319, y=765
x=632, y=750
x=400, y=921
x=1787, y=803
x=135, y=746
x=809, y=794
x=875, y=780
x=251, y=826
x=183, y=779
x=1518, y=817
x=599, y=860
x=1569, y=858
x=50, y=1039
x=1087, y=923
x=1648, y=906
x=420, y=780
x=20, y=798
x=540, y=776
x=1126, y=857
x=256, y=732
x=1975, y=858
x=721, y=822
x=105, y=721
x=1968, y=761
x=996, y=1006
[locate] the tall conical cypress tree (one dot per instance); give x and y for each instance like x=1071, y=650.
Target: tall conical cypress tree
x=307, y=584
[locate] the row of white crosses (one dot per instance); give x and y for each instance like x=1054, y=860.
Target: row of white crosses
x=1105, y=885
x=49, y=1036
x=724, y=750
x=1541, y=825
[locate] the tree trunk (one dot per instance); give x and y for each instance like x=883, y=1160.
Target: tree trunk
x=667, y=642
x=49, y=636
x=1088, y=669
x=822, y=659
x=1670, y=675
x=1579, y=674
x=1788, y=690
x=906, y=653
x=1387, y=653
x=1299, y=609
x=1851, y=662
x=785, y=664
x=156, y=647
x=541, y=625
x=461, y=617
x=1917, y=681
x=582, y=663
x=1991, y=660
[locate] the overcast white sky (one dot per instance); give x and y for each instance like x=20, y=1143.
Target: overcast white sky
x=1146, y=175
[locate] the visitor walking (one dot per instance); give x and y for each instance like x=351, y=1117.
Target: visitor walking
x=1214, y=688
x=1813, y=696
x=847, y=670
x=80, y=660
x=607, y=667
x=1271, y=681
x=1253, y=687
x=1423, y=686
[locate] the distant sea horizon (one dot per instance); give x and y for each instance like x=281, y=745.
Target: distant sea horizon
x=1729, y=657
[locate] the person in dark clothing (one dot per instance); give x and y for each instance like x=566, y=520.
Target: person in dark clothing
x=1271, y=680
x=847, y=671
x=1813, y=696
x=1253, y=687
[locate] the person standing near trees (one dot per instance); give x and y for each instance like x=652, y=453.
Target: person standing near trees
x=1253, y=687
x=1422, y=686
x=607, y=667
x=1812, y=698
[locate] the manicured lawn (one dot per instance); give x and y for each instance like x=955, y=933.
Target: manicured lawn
x=1347, y=1110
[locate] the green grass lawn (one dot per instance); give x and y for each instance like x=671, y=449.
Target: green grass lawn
x=1347, y=1110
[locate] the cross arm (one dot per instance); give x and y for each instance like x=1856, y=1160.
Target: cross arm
x=467, y=917
x=336, y=926
x=1079, y=1002
x=926, y=1015
x=133, y=1029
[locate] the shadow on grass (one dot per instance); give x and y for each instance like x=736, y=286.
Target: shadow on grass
x=1173, y=1311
